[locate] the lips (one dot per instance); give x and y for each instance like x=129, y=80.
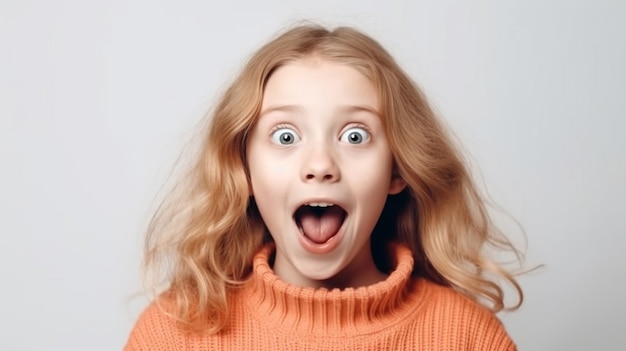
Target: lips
x=319, y=222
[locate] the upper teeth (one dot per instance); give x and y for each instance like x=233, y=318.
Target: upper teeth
x=320, y=204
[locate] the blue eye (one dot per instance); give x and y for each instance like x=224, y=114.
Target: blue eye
x=285, y=136
x=355, y=136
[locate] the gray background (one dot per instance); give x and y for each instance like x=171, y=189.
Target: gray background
x=98, y=98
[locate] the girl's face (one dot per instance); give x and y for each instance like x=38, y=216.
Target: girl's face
x=321, y=169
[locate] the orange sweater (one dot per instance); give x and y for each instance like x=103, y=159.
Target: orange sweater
x=399, y=313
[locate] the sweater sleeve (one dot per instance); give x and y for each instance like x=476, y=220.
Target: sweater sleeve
x=490, y=334
x=463, y=324
x=154, y=330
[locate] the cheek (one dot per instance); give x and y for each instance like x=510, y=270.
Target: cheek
x=268, y=176
x=373, y=168
x=277, y=171
x=269, y=170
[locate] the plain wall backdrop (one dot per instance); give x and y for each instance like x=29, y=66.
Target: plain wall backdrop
x=98, y=98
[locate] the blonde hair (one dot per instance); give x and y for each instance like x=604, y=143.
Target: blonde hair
x=206, y=231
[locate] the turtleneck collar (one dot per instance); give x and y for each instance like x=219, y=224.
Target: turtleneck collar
x=351, y=311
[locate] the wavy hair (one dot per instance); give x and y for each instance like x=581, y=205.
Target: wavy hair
x=201, y=239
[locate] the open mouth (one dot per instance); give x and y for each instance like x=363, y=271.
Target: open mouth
x=319, y=222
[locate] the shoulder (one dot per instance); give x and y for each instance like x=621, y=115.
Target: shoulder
x=459, y=320
x=155, y=329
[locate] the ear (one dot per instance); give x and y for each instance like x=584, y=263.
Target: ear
x=397, y=184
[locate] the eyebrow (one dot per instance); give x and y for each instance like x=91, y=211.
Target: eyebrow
x=282, y=108
x=349, y=109
x=344, y=109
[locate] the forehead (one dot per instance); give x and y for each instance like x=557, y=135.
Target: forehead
x=315, y=81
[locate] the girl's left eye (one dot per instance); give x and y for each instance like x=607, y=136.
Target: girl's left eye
x=355, y=136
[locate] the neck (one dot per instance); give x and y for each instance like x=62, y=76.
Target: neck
x=360, y=271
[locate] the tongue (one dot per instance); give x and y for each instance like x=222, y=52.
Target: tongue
x=321, y=225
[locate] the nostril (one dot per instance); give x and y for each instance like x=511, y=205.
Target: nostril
x=325, y=177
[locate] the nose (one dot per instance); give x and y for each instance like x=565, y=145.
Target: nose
x=320, y=165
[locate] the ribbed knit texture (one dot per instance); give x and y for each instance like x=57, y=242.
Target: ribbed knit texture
x=399, y=313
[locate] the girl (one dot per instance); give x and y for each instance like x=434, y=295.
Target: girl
x=327, y=210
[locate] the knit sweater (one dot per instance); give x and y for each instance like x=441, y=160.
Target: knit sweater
x=399, y=313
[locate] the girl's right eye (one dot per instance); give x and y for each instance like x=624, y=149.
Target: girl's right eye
x=285, y=136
